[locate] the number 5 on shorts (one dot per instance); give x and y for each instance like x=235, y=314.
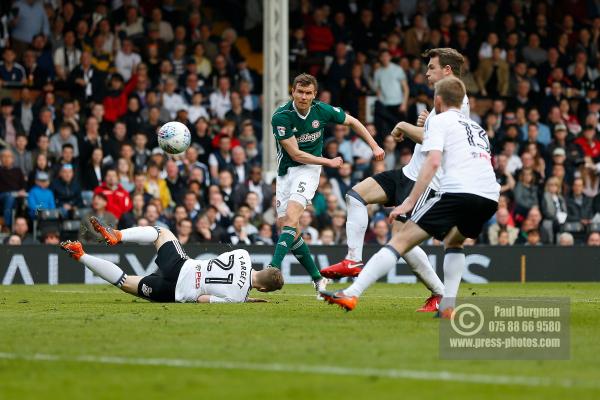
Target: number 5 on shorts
x=301, y=187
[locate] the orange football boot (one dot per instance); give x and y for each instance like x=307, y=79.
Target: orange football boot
x=111, y=236
x=74, y=249
x=348, y=303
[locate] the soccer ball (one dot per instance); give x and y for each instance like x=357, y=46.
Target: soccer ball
x=174, y=137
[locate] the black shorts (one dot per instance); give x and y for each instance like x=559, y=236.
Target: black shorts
x=468, y=212
x=160, y=286
x=397, y=187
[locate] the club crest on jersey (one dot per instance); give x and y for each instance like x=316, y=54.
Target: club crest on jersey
x=281, y=130
x=315, y=124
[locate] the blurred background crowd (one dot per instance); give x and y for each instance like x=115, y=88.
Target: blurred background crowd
x=84, y=86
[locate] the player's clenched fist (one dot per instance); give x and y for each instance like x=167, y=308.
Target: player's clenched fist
x=336, y=162
x=398, y=131
x=422, y=117
x=378, y=153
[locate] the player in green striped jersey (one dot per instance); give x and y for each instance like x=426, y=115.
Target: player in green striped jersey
x=298, y=127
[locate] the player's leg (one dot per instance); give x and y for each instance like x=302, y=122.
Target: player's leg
x=368, y=191
x=106, y=270
x=138, y=234
x=417, y=260
x=288, y=222
x=454, y=266
x=379, y=265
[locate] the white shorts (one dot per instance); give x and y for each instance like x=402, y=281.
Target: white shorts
x=301, y=182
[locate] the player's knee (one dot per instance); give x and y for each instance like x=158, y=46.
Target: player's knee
x=353, y=194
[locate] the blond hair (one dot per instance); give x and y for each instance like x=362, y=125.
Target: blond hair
x=451, y=90
x=270, y=279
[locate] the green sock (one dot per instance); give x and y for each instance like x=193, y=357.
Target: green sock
x=302, y=253
x=284, y=244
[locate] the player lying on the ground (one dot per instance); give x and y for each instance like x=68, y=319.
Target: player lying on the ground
x=225, y=279
x=391, y=188
x=467, y=199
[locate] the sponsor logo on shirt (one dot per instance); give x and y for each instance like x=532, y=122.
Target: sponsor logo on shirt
x=310, y=137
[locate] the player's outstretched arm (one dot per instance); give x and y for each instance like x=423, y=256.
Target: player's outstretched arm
x=414, y=133
x=290, y=145
x=361, y=130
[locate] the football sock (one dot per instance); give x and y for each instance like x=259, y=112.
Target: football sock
x=356, y=226
x=380, y=264
x=284, y=244
x=104, y=269
x=302, y=253
x=417, y=259
x=139, y=234
x=454, y=265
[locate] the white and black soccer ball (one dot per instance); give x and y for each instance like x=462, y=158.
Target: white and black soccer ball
x=174, y=137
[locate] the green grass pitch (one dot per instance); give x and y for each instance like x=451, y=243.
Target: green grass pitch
x=94, y=342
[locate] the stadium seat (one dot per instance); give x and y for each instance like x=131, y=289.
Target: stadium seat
x=595, y=227
x=46, y=220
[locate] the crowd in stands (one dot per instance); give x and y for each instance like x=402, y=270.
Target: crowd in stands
x=84, y=86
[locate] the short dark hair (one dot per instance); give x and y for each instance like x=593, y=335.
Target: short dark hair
x=305, y=80
x=447, y=56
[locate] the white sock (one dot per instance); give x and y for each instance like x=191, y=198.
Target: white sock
x=104, y=269
x=380, y=264
x=139, y=234
x=454, y=265
x=356, y=226
x=417, y=259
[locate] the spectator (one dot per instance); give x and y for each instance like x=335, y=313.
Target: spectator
x=392, y=92
x=156, y=186
x=221, y=159
x=12, y=74
x=172, y=101
x=590, y=146
x=115, y=100
x=13, y=240
x=553, y=206
x=381, y=233
x=184, y=231
x=593, y=239
x=319, y=38
x=129, y=219
x=85, y=82
x=237, y=232
x=66, y=57
x=492, y=75
x=565, y=239
x=533, y=238
x=40, y=197
x=220, y=99
x=87, y=234
x=62, y=137
x=526, y=195
x=204, y=231
x=23, y=158
x=579, y=206
x=127, y=60
x=30, y=19
x=118, y=198
x=342, y=183
x=67, y=190
x=265, y=235
x=254, y=184
x=94, y=172
x=21, y=229
x=502, y=224
x=10, y=127
x=338, y=224
x=12, y=185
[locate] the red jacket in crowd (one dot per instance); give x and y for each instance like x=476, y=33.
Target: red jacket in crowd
x=319, y=38
x=589, y=149
x=118, y=200
x=115, y=106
